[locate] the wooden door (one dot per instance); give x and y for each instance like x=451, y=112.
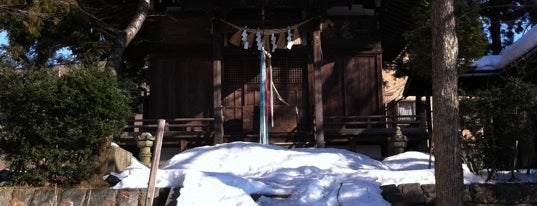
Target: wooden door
x=241, y=94
x=363, y=86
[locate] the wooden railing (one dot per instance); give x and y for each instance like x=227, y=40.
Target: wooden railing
x=343, y=129
x=378, y=125
x=178, y=131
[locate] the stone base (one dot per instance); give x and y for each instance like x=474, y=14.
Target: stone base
x=474, y=194
x=118, y=159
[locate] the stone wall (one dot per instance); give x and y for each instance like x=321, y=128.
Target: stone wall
x=474, y=194
x=67, y=197
x=401, y=195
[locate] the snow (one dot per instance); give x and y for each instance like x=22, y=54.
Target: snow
x=231, y=173
x=520, y=47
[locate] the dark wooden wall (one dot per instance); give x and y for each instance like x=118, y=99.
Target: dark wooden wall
x=180, y=87
x=181, y=70
x=352, y=85
x=181, y=75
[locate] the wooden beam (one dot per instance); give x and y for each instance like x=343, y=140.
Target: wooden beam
x=217, y=86
x=311, y=96
x=380, y=95
x=318, y=89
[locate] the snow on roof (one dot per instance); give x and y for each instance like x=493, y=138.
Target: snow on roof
x=487, y=63
x=509, y=54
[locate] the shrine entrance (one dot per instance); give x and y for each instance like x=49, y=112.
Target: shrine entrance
x=241, y=94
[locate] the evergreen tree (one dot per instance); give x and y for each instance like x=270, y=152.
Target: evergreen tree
x=55, y=129
x=93, y=30
x=501, y=121
x=472, y=42
x=38, y=29
x=505, y=18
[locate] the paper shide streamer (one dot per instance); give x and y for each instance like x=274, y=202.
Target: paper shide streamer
x=266, y=40
x=270, y=39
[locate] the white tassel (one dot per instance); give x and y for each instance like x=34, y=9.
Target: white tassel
x=273, y=42
x=244, y=35
x=289, y=39
x=259, y=41
x=244, y=38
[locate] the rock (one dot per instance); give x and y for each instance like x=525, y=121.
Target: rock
x=73, y=197
x=104, y=197
x=128, y=197
x=509, y=193
x=483, y=193
x=5, y=195
x=118, y=159
x=46, y=197
x=22, y=196
x=412, y=193
x=112, y=180
x=4, y=175
x=531, y=193
x=391, y=194
x=429, y=193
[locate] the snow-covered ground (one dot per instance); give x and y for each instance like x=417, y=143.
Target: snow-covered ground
x=227, y=174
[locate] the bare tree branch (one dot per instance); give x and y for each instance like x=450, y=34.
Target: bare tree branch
x=125, y=37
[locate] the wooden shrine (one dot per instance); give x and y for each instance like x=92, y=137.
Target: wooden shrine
x=323, y=62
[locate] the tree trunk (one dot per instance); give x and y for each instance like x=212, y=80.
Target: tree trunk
x=114, y=60
x=448, y=169
x=125, y=36
x=495, y=32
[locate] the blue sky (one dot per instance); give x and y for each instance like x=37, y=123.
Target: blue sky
x=64, y=51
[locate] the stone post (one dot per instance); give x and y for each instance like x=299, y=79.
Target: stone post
x=145, y=142
x=397, y=143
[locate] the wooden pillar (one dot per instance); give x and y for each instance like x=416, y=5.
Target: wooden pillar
x=217, y=86
x=420, y=105
x=318, y=90
x=381, y=107
x=429, y=113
